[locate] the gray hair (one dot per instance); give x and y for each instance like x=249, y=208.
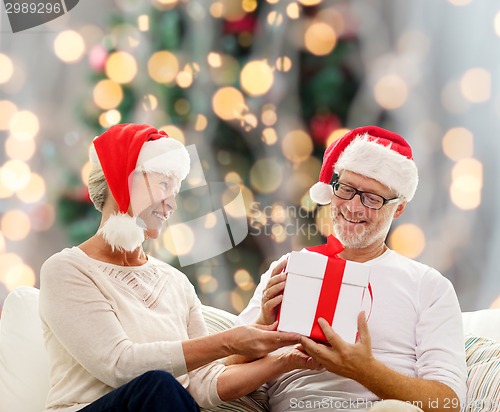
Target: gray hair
x=98, y=187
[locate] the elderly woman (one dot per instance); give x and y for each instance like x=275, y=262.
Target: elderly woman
x=124, y=331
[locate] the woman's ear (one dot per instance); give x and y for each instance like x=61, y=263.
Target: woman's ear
x=399, y=210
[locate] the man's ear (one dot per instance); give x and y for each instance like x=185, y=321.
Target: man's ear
x=400, y=208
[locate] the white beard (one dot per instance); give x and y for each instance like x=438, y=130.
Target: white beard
x=122, y=232
x=364, y=236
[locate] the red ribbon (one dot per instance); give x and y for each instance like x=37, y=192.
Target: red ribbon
x=330, y=288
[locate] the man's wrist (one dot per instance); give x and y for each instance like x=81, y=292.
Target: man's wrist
x=366, y=373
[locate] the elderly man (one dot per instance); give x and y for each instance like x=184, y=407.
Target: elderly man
x=411, y=349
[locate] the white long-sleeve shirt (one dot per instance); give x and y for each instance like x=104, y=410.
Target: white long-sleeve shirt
x=105, y=324
x=415, y=326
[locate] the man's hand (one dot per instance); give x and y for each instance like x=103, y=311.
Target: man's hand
x=342, y=358
x=272, y=295
x=256, y=341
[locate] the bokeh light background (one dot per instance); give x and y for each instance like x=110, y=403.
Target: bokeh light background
x=428, y=70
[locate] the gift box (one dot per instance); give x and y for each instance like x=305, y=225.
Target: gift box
x=321, y=286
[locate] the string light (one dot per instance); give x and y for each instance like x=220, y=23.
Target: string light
x=274, y=18
x=228, y=103
x=391, y=92
x=266, y=175
x=20, y=149
x=201, y=123
x=149, y=102
x=458, y=143
x=256, y=78
x=24, y=125
x=163, y=67
x=283, y=64
x=293, y=10
x=320, y=38
x=6, y=68
x=297, y=146
x=143, y=22
x=178, y=239
x=496, y=23
x=107, y=94
x=475, y=85
x=175, y=132
x=121, y=67
x=467, y=182
x=249, y=5
x=15, y=225
x=19, y=275
x=15, y=175
x=207, y=283
x=310, y=2
x=7, y=110
x=407, y=239
x=69, y=46
x=34, y=191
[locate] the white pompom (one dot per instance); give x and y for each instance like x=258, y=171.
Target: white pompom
x=121, y=231
x=321, y=193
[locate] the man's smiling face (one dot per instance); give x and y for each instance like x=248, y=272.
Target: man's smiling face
x=355, y=225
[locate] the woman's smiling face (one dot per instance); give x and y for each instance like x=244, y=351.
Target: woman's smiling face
x=152, y=199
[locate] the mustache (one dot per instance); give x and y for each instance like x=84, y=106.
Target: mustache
x=356, y=215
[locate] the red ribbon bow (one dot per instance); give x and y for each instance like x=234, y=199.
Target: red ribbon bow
x=331, y=249
x=330, y=288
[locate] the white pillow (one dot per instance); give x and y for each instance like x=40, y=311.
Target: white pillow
x=484, y=322
x=24, y=369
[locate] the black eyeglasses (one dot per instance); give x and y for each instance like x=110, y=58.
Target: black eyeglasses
x=370, y=200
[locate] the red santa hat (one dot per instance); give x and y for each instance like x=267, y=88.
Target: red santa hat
x=123, y=149
x=372, y=152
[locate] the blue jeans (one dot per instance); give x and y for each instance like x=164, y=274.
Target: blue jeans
x=154, y=391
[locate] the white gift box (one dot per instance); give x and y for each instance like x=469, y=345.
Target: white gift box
x=306, y=272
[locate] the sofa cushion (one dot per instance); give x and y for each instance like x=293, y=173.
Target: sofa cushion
x=483, y=374
x=24, y=376
x=217, y=320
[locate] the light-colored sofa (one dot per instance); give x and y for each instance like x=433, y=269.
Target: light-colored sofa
x=24, y=365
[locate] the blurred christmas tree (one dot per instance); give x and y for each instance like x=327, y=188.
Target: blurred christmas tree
x=259, y=87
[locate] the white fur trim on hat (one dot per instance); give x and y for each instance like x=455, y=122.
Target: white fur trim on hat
x=121, y=232
x=321, y=193
x=93, y=154
x=379, y=162
x=167, y=156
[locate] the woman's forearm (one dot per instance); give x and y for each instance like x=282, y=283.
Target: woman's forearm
x=241, y=379
x=200, y=351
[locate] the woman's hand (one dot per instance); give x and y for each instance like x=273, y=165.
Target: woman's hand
x=272, y=295
x=256, y=341
x=297, y=358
